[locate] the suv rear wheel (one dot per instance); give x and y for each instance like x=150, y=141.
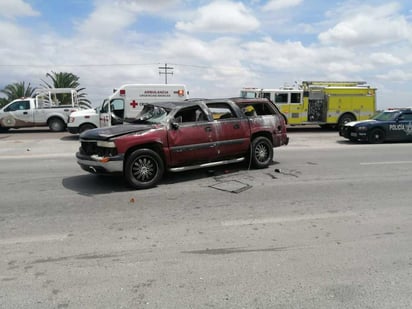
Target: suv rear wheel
x=261, y=152
x=144, y=168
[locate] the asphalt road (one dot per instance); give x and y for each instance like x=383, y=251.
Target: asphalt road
x=328, y=225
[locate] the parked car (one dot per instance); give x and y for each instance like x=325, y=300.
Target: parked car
x=389, y=125
x=179, y=136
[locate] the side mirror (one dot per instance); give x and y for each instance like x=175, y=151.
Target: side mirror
x=175, y=125
x=175, y=122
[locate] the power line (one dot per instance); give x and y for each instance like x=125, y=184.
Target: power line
x=203, y=67
x=77, y=65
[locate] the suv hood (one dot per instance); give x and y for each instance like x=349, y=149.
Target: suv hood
x=110, y=132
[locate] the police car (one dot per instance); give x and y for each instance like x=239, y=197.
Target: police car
x=389, y=125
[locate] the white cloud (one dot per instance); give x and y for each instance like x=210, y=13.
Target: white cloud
x=305, y=62
x=275, y=5
x=14, y=8
x=218, y=61
x=369, y=25
x=385, y=58
x=221, y=17
x=106, y=21
x=145, y=5
x=396, y=75
x=111, y=18
x=205, y=49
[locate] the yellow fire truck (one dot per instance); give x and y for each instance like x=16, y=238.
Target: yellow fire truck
x=326, y=103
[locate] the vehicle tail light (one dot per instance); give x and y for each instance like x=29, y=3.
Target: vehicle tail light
x=181, y=92
x=122, y=91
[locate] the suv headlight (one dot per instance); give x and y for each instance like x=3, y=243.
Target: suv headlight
x=106, y=144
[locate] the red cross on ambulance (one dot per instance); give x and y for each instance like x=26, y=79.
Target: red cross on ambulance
x=134, y=103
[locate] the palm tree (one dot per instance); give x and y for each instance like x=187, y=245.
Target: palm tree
x=15, y=91
x=67, y=80
x=3, y=101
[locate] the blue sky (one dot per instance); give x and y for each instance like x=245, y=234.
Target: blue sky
x=214, y=47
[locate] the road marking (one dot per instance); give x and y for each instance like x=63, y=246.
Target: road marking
x=29, y=239
x=38, y=156
x=287, y=219
x=386, y=163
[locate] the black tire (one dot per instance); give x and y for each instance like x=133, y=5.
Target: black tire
x=376, y=136
x=345, y=118
x=56, y=125
x=144, y=168
x=3, y=130
x=85, y=127
x=261, y=152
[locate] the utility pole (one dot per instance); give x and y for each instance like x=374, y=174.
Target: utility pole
x=165, y=68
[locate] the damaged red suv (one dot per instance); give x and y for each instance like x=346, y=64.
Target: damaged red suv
x=179, y=136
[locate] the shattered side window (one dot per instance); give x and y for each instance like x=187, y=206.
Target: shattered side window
x=221, y=111
x=191, y=114
x=257, y=109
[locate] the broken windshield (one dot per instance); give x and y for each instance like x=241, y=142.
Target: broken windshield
x=151, y=114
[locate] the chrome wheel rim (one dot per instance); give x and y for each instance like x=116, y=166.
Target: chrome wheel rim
x=144, y=169
x=261, y=152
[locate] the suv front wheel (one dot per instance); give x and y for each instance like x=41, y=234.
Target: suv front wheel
x=144, y=168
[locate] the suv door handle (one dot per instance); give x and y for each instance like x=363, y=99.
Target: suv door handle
x=208, y=129
x=236, y=126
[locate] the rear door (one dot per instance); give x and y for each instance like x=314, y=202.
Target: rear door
x=232, y=130
x=104, y=115
x=193, y=139
x=111, y=113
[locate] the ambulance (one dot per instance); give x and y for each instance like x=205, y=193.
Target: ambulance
x=124, y=104
x=325, y=103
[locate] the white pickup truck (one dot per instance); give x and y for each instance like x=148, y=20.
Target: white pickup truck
x=49, y=107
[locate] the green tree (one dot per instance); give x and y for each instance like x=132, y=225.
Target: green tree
x=15, y=91
x=67, y=80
